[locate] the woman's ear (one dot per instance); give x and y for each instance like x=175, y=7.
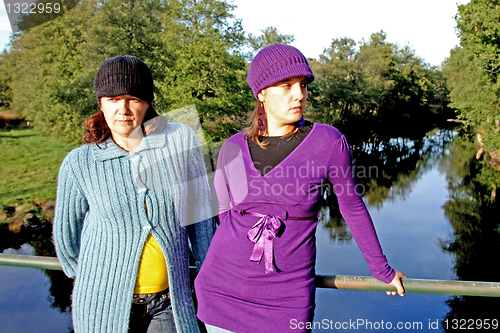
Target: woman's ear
x=260, y=95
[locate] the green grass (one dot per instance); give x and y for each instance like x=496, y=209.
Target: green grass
x=29, y=164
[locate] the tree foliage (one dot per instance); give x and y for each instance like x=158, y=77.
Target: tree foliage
x=372, y=80
x=192, y=48
x=40, y=11
x=472, y=73
x=195, y=49
x=338, y=91
x=269, y=36
x=209, y=68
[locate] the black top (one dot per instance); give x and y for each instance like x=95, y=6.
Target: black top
x=277, y=148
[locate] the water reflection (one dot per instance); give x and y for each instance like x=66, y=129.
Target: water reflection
x=474, y=215
x=38, y=234
x=332, y=220
x=396, y=164
x=386, y=169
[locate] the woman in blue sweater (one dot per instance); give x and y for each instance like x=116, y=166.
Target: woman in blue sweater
x=122, y=226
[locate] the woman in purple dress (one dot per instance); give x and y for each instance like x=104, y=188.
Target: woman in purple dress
x=259, y=273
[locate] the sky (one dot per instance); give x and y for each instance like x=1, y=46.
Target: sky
x=426, y=25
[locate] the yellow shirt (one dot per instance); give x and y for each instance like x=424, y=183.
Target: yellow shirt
x=152, y=276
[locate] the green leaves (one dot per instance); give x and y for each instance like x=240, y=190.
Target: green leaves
x=473, y=72
x=375, y=81
x=208, y=69
x=479, y=30
x=269, y=36
x=196, y=52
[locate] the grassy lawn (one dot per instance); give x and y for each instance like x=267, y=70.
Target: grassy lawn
x=28, y=168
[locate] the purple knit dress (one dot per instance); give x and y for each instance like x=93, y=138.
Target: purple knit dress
x=272, y=220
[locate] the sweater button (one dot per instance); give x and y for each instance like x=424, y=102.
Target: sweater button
x=146, y=227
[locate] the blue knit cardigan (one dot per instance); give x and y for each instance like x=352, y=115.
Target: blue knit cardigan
x=101, y=223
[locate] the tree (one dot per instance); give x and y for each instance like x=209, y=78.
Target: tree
x=337, y=93
x=39, y=12
x=5, y=90
x=269, y=36
x=471, y=91
x=44, y=65
x=472, y=72
x=209, y=69
x=376, y=60
x=191, y=46
x=378, y=83
x=478, y=29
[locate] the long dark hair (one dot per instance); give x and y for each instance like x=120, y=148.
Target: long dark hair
x=97, y=130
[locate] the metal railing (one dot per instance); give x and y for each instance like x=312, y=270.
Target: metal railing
x=421, y=286
x=30, y=261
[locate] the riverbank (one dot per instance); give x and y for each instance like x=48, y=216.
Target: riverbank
x=30, y=163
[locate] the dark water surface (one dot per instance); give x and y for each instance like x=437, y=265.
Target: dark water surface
x=26, y=304
x=432, y=219
x=409, y=230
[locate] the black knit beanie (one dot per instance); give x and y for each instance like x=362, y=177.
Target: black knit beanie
x=124, y=75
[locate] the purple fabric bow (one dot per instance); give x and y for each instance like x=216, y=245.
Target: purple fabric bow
x=262, y=235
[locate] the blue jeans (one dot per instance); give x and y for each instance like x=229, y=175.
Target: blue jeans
x=153, y=317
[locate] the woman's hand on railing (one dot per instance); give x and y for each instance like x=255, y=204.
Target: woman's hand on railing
x=396, y=282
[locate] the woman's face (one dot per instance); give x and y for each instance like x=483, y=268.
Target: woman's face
x=123, y=113
x=285, y=101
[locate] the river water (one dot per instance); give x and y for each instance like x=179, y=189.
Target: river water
x=421, y=198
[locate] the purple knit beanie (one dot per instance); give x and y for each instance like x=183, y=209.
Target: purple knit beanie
x=276, y=63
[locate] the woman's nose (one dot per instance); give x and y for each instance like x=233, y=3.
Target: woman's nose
x=298, y=94
x=123, y=107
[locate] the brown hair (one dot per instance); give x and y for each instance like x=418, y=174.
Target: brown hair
x=253, y=131
x=97, y=130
